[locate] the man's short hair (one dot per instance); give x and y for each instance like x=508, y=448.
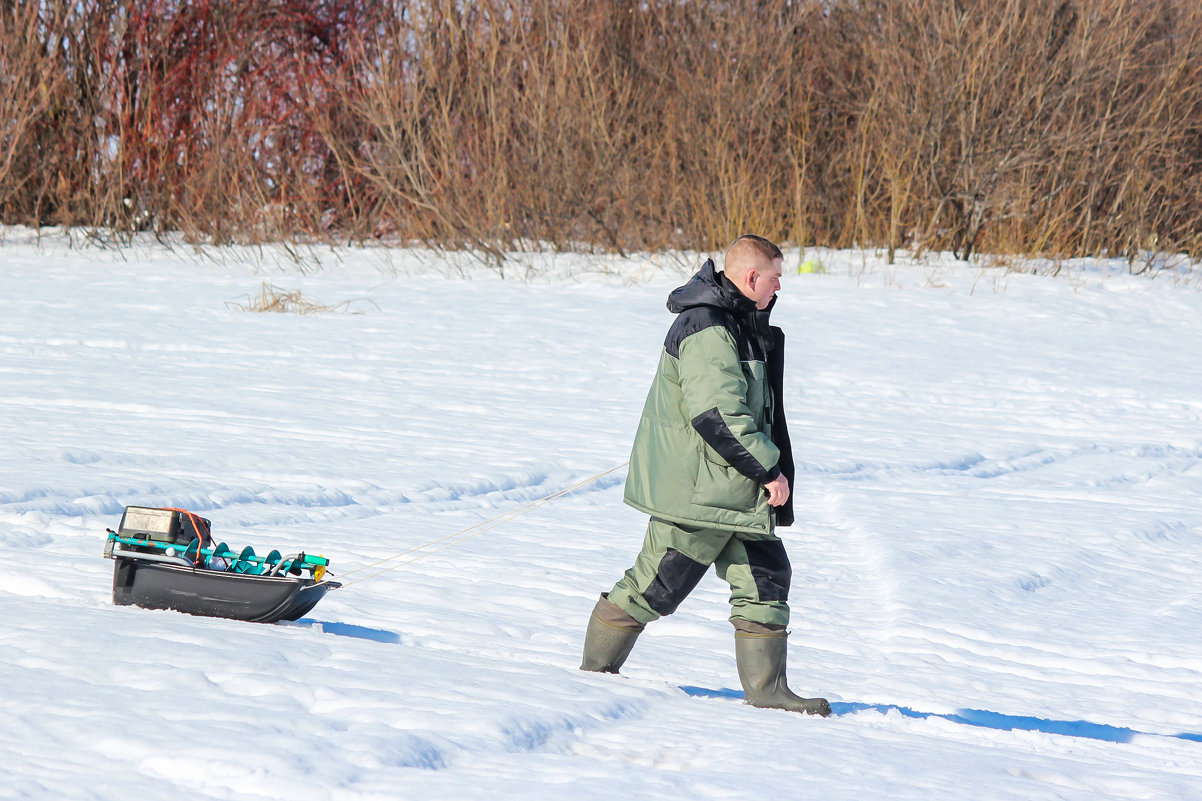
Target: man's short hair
x=751, y=243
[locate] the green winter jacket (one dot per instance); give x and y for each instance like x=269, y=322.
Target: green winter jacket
x=712, y=431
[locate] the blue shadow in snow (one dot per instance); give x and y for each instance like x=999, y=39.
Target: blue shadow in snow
x=350, y=630
x=996, y=720
x=978, y=717
x=702, y=692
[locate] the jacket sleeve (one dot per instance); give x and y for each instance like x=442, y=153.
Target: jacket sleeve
x=715, y=399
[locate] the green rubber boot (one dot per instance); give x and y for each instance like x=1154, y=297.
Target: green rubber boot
x=761, y=661
x=610, y=636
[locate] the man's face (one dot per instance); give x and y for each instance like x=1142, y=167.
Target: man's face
x=763, y=282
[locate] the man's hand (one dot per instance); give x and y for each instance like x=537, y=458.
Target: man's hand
x=778, y=490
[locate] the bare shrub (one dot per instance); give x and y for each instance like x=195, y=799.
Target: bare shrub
x=28, y=84
x=1057, y=128
x=628, y=125
x=198, y=117
x=1060, y=128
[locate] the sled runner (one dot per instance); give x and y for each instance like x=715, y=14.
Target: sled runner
x=165, y=559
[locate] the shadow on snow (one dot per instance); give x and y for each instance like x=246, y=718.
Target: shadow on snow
x=978, y=717
x=350, y=630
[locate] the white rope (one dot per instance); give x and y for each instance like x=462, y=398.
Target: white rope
x=463, y=535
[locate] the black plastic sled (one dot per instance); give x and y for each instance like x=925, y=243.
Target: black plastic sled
x=163, y=559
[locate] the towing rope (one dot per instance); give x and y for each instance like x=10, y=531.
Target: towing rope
x=463, y=535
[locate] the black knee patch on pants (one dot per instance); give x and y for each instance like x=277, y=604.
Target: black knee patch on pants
x=675, y=578
x=770, y=568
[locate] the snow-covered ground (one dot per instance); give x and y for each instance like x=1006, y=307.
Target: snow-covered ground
x=997, y=565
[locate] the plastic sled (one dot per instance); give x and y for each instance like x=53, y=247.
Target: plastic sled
x=163, y=559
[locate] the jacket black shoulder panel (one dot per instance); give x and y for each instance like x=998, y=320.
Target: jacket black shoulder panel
x=692, y=320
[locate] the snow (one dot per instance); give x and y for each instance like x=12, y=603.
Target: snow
x=996, y=566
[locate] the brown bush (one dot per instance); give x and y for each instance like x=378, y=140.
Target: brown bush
x=1059, y=128
x=630, y=125
x=157, y=115
x=1026, y=127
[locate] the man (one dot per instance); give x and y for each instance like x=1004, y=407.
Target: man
x=712, y=466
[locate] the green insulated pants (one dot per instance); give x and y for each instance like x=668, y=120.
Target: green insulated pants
x=676, y=556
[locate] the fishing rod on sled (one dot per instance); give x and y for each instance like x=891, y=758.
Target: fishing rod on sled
x=464, y=534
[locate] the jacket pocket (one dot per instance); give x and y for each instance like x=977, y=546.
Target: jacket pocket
x=721, y=486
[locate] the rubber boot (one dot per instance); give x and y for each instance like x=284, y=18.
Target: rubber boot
x=610, y=636
x=761, y=661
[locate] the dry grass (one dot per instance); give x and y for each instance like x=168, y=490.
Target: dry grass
x=274, y=299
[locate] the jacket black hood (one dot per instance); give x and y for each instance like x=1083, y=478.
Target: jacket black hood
x=710, y=288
